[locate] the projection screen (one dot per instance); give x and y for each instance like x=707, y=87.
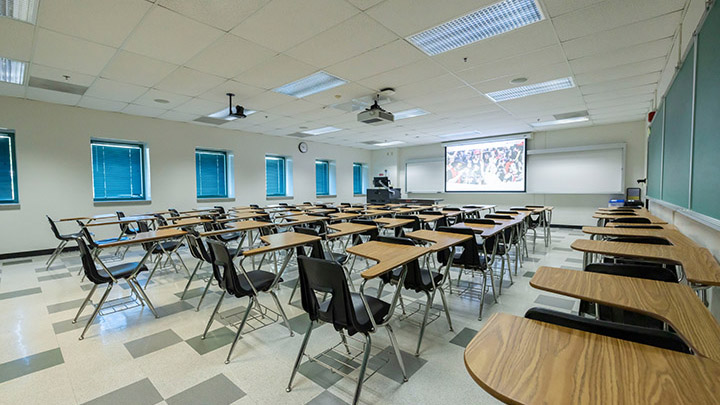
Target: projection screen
x=490, y=166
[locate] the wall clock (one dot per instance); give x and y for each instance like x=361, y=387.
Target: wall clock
x=302, y=146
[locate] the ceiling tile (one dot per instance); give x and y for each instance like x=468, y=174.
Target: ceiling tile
x=74, y=54
x=392, y=55
x=268, y=100
x=107, y=22
x=555, y=8
x=134, y=109
x=354, y=36
x=364, y=4
x=636, y=53
x=101, y=104
x=148, y=99
x=189, y=82
x=622, y=71
x=198, y=106
x=52, y=96
x=293, y=21
x=173, y=115
x=616, y=94
x=407, y=17
x=346, y=93
x=523, y=65
x=621, y=101
x=137, y=69
x=116, y=91
x=415, y=72
x=222, y=14
x=229, y=56
x=275, y=72
x=17, y=39
x=12, y=90
x=611, y=14
x=171, y=37
x=539, y=75
x=634, y=81
x=622, y=37
x=51, y=73
x=436, y=84
x=242, y=92
x=296, y=108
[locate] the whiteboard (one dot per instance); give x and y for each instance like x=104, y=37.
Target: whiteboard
x=591, y=170
x=426, y=176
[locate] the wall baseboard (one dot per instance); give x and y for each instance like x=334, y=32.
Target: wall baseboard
x=31, y=253
x=566, y=226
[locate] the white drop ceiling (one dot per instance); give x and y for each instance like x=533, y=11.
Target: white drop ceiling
x=190, y=53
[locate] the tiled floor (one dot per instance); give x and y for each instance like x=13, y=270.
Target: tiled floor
x=131, y=357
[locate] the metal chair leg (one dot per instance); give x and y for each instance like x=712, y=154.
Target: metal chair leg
x=157, y=263
x=195, y=270
x=297, y=283
x=344, y=341
x=212, y=317
x=282, y=312
x=82, y=306
x=445, y=306
x=430, y=298
x=396, y=349
x=144, y=296
x=55, y=254
x=300, y=355
x=240, y=328
x=363, y=367
x=202, y=297
x=97, y=310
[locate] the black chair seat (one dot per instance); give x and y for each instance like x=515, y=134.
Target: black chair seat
x=123, y=270
x=262, y=280
x=228, y=237
x=425, y=280
x=236, y=251
x=457, y=261
x=337, y=257
x=379, y=309
x=168, y=246
x=70, y=237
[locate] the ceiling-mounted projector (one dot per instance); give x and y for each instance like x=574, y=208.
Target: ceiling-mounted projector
x=375, y=115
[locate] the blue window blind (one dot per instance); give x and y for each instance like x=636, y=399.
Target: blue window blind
x=118, y=172
x=275, y=176
x=322, y=177
x=8, y=169
x=357, y=179
x=211, y=174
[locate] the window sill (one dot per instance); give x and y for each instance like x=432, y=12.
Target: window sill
x=326, y=196
x=359, y=195
x=9, y=206
x=121, y=202
x=216, y=199
x=279, y=197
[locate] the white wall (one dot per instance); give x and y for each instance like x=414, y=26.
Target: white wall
x=54, y=169
x=570, y=209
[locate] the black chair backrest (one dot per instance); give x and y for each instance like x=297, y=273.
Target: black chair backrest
x=470, y=256
x=121, y=215
x=489, y=241
x=196, y=245
x=324, y=276
x=344, y=204
x=412, y=226
x=53, y=227
x=85, y=233
x=498, y=216
x=640, y=226
x=283, y=204
x=143, y=227
x=372, y=233
x=317, y=248
x=225, y=273
x=413, y=278
x=648, y=272
x=161, y=220
x=88, y=263
x=220, y=209
x=173, y=212
x=507, y=212
x=254, y=206
x=632, y=220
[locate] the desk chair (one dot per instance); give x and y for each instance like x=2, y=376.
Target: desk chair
x=247, y=284
x=345, y=310
x=418, y=279
x=216, y=226
x=632, y=220
x=456, y=219
x=254, y=206
x=198, y=250
x=160, y=250
x=475, y=214
x=469, y=258
x=173, y=212
x=125, y=230
x=64, y=240
x=108, y=275
x=637, y=334
x=411, y=227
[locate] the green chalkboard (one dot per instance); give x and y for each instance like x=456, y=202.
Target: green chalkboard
x=654, y=161
x=706, y=151
x=678, y=126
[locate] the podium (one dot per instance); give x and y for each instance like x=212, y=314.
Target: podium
x=382, y=195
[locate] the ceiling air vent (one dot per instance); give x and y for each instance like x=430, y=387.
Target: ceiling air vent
x=575, y=114
x=54, y=85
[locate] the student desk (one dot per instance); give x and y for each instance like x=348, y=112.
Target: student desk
x=698, y=264
x=347, y=228
x=388, y=255
x=622, y=225
x=241, y=226
x=89, y=219
x=440, y=240
x=352, y=209
x=302, y=219
x=374, y=213
x=392, y=223
x=428, y=218
x=523, y=361
x=321, y=210
x=185, y=222
x=123, y=221
x=484, y=230
x=403, y=211
x=673, y=236
x=604, y=217
x=342, y=216
x=239, y=216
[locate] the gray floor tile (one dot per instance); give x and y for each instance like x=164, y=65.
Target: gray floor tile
x=326, y=398
x=67, y=325
x=555, y=302
x=170, y=309
x=529, y=274
x=562, y=249
x=142, y=392
x=391, y=370
x=30, y=364
x=570, y=267
x=18, y=261
x=54, y=276
x=573, y=260
x=44, y=269
x=152, y=343
x=86, y=287
x=218, y=390
x=64, y=306
x=464, y=337
x=193, y=292
x=289, y=283
x=20, y=293
x=215, y=339
x=299, y=324
x=319, y=374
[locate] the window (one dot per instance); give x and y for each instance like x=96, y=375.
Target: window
x=8, y=169
x=211, y=173
x=275, y=176
x=118, y=171
x=322, y=177
x=360, y=183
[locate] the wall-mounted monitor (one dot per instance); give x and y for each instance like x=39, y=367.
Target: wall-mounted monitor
x=489, y=166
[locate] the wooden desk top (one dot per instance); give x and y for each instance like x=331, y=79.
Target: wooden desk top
x=343, y=215
x=351, y=209
x=543, y=207
x=321, y=210
x=675, y=304
x=124, y=220
x=185, y=222
x=675, y=237
x=403, y=211
x=619, y=224
x=440, y=240
x=348, y=228
x=428, y=217
x=523, y=361
x=395, y=205
x=698, y=264
x=94, y=217
x=451, y=213
x=143, y=237
x=375, y=206
x=372, y=213
x=279, y=241
x=302, y=219
x=247, y=215
x=392, y=223
x=241, y=226
x=388, y=255
x=483, y=230
x=653, y=219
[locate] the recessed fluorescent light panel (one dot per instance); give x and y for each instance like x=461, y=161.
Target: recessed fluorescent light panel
x=320, y=131
x=560, y=122
x=487, y=22
x=391, y=143
x=312, y=84
x=224, y=114
x=23, y=10
x=532, y=89
x=12, y=71
x=415, y=112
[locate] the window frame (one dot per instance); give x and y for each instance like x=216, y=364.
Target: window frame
x=327, y=177
x=13, y=168
x=143, y=169
x=226, y=180
x=364, y=180
x=284, y=176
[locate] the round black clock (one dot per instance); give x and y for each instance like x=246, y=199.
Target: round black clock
x=302, y=146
